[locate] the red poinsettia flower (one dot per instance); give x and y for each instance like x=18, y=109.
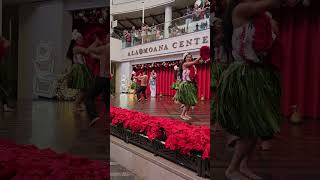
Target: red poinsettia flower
x=180, y=136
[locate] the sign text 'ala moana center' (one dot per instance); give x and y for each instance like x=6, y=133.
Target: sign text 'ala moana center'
x=189, y=42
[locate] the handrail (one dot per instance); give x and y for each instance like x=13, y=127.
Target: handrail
x=179, y=26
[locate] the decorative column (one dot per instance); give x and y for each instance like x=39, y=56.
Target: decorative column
x=111, y=24
x=1, y=17
x=167, y=19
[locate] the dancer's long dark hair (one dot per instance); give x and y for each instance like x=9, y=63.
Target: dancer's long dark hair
x=228, y=27
x=70, y=50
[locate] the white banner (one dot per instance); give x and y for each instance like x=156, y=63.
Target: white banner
x=177, y=45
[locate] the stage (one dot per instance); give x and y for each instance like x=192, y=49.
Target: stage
x=163, y=107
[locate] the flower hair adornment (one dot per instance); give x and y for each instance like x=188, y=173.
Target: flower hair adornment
x=76, y=35
x=185, y=55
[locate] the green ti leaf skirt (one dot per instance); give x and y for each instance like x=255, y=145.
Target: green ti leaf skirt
x=187, y=94
x=81, y=77
x=248, y=100
x=175, y=85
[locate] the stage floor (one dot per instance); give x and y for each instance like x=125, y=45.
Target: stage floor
x=295, y=154
x=164, y=107
x=53, y=124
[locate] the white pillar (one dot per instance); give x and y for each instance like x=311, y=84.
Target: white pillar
x=142, y=12
x=1, y=17
x=167, y=19
x=111, y=24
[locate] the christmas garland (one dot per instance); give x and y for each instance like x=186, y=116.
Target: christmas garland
x=168, y=64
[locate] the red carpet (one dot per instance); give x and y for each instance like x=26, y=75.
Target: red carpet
x=27, y=162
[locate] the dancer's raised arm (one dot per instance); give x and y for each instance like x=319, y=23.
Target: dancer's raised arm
x=197, y=61
x=81, y=50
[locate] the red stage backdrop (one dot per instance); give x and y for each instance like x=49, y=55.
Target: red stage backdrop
x=165, y=78
x=300, y=64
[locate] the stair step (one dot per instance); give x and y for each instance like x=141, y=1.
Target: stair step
x=122, y=176
x=117, y=172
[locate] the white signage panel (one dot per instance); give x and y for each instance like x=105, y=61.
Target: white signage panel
x=187, y=43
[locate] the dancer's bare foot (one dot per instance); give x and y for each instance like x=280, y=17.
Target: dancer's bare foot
x=6, y=108
x=188, y=117
x=184, y=118
x=235, y=175
x=94, y=121
x=246, y=171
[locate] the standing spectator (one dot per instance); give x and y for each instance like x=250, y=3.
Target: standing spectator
x=124, y=44
x=188, y=16
x=134, y=36
x=143, y=33
x=196, y=12
x=158, y=33
x=207, y=8
x=128, y=39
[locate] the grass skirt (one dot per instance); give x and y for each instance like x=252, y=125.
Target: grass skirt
x=80, y=77
x=133, y=86
x=175, y=85
x=187, y=94
x=216, y=70
x=249, y=100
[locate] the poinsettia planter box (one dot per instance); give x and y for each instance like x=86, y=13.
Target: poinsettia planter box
x=119, y=132
x=140, y=140
x=133, y=138
x=192, y=162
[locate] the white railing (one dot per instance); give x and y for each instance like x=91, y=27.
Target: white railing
x=193, y=22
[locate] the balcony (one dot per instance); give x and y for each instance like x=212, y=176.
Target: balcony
x=127, y=6
x=191, y=23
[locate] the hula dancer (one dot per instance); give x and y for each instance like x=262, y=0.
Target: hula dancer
x=187, y=91
x=249, y=91
x=143, y=86
x=80, y=75
x=153, y=83
x=133, y=81
x=175, y=85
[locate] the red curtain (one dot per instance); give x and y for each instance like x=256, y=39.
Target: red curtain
x=300, y=64
x=165, y=78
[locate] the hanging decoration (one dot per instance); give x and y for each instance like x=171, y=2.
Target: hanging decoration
x=167, y=64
